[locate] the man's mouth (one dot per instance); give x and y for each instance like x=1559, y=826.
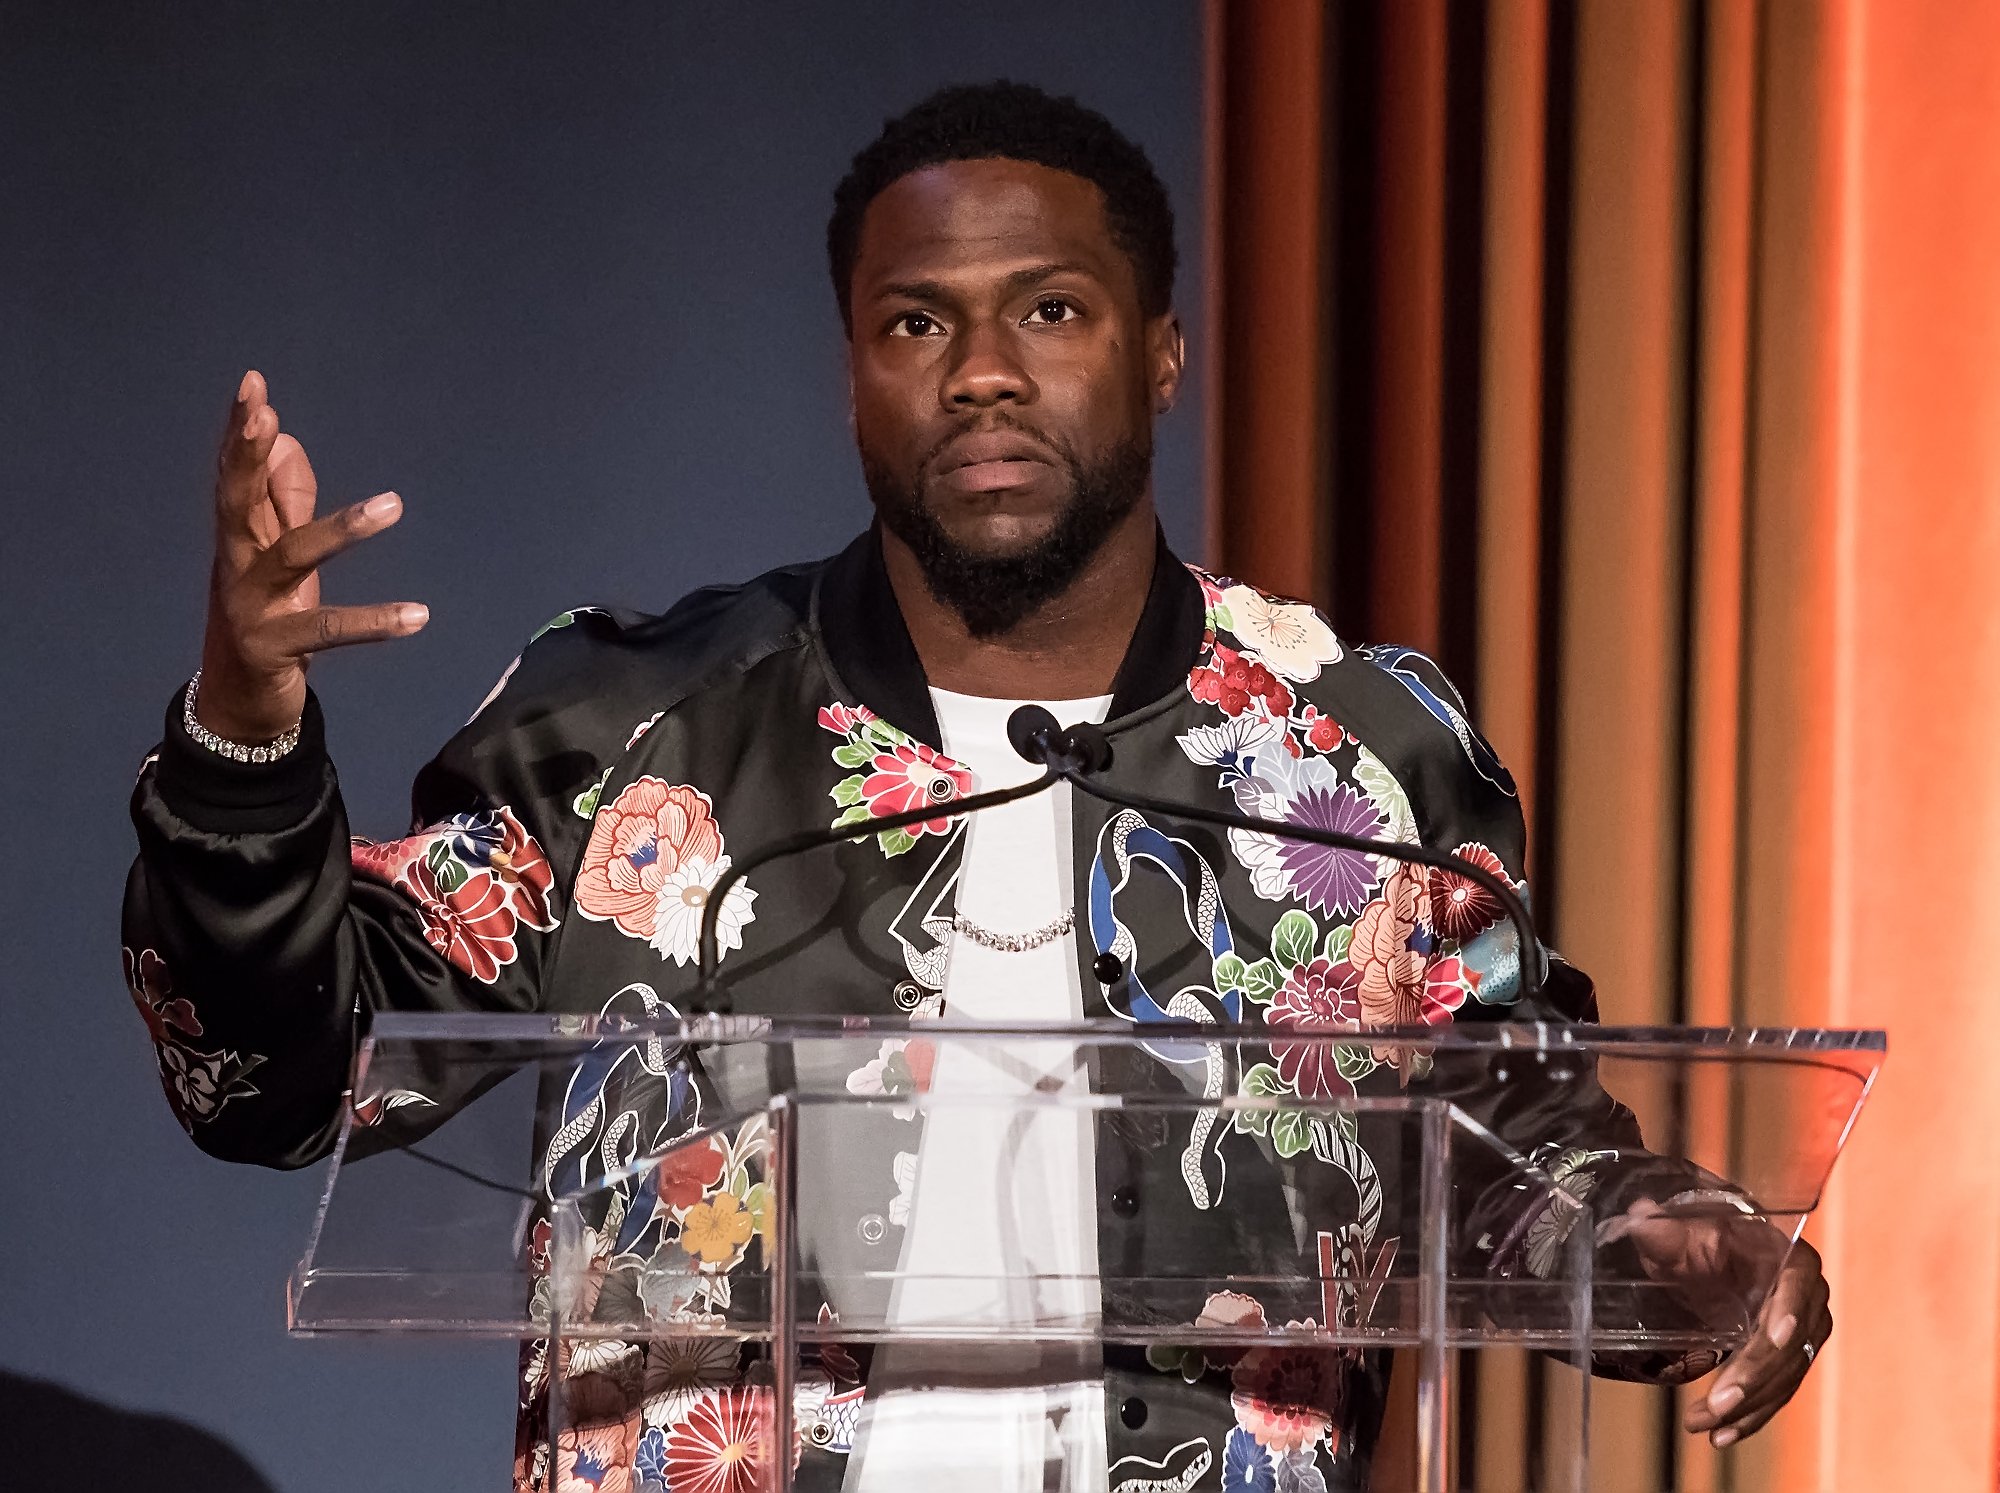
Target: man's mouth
x=991, y=461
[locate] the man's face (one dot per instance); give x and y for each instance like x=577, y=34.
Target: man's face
x=1004, y=379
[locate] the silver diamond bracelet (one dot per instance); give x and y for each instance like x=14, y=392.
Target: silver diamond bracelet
x=235, y=751
x=1014, y=943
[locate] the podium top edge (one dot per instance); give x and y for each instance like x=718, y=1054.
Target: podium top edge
x=563, y=1029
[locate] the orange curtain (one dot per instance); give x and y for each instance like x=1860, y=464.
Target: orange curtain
x=1643, y=363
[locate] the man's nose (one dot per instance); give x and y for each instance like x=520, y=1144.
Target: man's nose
x=985, y=372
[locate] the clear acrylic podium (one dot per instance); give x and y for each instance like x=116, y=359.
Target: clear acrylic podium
x=774, y=1204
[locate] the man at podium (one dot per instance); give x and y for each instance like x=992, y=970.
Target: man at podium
x=1003, y=263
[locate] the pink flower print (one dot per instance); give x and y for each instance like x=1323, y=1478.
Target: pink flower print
x=910, y=776
x=1318, y=994
x=635, y=843
x=1288, y=1397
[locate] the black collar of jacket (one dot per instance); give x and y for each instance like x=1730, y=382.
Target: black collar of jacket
x=869, y=648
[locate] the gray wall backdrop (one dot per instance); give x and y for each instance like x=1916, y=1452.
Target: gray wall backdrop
x=554, y=273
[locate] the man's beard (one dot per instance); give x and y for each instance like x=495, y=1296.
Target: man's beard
x=993, y=593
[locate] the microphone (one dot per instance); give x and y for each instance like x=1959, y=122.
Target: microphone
x=1076, y=753
x=1033, y=733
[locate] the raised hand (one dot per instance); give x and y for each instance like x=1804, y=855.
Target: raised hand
x=265, y=619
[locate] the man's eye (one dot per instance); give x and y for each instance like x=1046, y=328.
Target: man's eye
x=914, y=324
x=1052, y=310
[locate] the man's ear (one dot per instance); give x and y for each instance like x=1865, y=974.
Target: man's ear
x=1166, y=357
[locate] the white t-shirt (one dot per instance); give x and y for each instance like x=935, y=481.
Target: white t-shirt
x=997, y=1200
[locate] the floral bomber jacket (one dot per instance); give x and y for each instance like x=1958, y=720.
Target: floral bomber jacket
x=565, y=840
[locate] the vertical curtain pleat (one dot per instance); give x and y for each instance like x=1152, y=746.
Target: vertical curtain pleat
x=1505, y=582
x=1722, y=232
x=1617, y=818
x=1507, y=530
x=1266, y=408
x=1408, y=278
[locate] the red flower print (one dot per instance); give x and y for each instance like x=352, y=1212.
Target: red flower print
x=1317, y=994
x=523, y=869
x=1323, y=732
x=1462, y=907
x=471, y=925
x=635, y=843
x=722, y=1444
x=384, y=860
x=153, y=993
x=480, y=840
x=910, y=776
x=1446, y=982
x=1233, y=682
x=685, y=1174
x=844, y=720
x=1289, y=1397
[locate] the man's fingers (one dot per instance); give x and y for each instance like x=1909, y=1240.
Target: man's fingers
x=1767, y=1399
x=1775, y=1335
x=1754, y=1414
x=301, y=634
x=294, y=488
x=251, y=395
x=300, y=551
x=246, y=446
x=1748, y=1387
x=1765, y=1371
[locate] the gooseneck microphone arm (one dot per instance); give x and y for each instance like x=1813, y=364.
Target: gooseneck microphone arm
x=1077, y=754
x=710, y=994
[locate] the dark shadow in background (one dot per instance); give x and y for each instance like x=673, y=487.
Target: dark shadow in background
x=51, y=1437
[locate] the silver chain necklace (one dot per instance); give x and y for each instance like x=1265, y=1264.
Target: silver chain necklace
x=1013, y=943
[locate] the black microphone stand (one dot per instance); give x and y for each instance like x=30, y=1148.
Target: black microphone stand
x=710, y=995
x=1075, y=755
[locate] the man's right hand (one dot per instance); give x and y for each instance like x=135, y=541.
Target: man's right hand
x=265, y=620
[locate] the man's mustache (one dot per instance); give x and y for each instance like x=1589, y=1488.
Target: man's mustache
x=986, y=426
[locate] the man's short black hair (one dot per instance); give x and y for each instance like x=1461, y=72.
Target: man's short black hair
x=1014, y=122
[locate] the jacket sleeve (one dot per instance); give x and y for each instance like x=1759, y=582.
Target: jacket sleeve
x=1589, y=1159
x=258, y=938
